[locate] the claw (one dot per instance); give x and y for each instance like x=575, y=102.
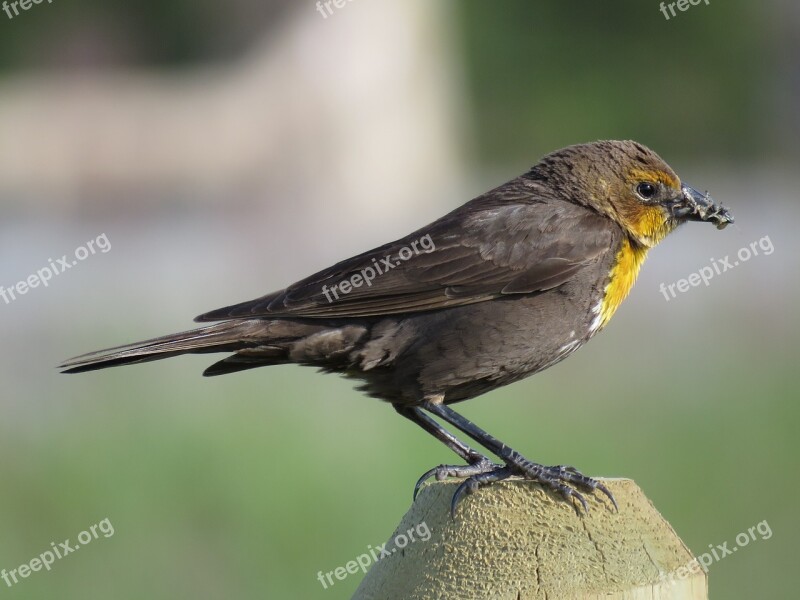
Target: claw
x=427, y=475
x=467, y=487
x=608, y=493
x=581, y=499
x=476, y=481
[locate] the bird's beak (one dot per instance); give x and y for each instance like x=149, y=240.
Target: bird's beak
x=691, y=205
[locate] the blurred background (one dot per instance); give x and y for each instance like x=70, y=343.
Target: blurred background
x=227, y=150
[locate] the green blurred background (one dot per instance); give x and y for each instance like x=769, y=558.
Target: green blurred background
x=228, y=150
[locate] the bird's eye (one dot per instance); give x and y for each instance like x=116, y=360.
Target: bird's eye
x=646, y=190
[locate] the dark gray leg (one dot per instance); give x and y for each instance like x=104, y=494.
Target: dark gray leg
x=477, y=463
x=555, y=478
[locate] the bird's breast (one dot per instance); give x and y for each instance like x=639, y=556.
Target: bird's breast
x=624, y=270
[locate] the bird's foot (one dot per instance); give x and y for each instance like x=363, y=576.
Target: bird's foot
x=479, y=466
x=564, y=480
x=568, y=482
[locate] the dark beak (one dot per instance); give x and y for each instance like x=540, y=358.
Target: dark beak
x=694, y=206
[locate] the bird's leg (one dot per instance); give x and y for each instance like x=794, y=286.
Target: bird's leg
x=559, y=479
x=477, y=463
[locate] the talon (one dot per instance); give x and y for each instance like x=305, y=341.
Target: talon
x=462, y=489
x=608, y=493
x=423, y=479
x=583, y=502
x=568, y=494
x=474, y=482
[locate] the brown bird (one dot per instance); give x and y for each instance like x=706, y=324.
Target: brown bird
x=501, y=288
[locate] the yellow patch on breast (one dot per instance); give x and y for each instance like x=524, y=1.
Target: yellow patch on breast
x=623, y=275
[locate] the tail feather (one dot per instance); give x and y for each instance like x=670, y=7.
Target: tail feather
x=220, y=337
x=248, y=359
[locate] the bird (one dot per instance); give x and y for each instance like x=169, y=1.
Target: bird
x=503, y=287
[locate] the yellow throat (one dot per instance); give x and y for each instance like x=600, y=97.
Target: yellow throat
x=621, y=279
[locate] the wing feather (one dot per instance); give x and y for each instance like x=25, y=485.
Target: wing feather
x=512, y=240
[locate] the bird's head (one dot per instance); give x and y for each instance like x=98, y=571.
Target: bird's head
x=631, y=184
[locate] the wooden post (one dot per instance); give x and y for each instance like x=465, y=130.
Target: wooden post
x=515, y=541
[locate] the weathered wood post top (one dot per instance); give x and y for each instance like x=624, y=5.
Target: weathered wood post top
x=515, y=541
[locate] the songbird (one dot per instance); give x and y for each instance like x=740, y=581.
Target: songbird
x=502, y=287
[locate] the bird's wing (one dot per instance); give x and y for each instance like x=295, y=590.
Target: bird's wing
x=486, y=249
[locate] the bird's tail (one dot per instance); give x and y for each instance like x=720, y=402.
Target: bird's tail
x=220, y=337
